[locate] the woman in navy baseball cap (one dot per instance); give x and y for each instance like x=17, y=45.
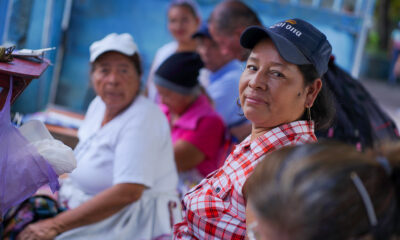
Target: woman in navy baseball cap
x=281, y=93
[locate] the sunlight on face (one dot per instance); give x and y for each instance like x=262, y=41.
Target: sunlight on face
x=271, y=90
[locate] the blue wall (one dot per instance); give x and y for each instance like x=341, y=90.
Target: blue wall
x=35, y=96
x=3, y=15
x=91, y=20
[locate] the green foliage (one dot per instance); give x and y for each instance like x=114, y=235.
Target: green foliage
x=372, y=45
x=373, y=36
x=394, y=12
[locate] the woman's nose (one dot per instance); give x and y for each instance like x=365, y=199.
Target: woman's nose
x=257, y=82
x=113, y=78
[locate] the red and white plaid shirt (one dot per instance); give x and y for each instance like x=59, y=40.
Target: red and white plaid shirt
x=215, y=209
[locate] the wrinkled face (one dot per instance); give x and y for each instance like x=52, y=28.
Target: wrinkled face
x=182, y=23
x=271, y=90
x=229, y=43
x=210, y=54
x=176, y=102
x=115, y=80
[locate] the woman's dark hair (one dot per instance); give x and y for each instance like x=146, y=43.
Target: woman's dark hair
x=323, y=111
x=307, y=192
x=188, y=4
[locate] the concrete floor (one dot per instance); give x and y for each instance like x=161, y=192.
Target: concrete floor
x=387, y=96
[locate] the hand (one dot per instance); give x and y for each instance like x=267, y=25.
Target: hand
x=43, y=230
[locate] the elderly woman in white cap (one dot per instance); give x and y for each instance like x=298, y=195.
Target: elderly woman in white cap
x=125, y=184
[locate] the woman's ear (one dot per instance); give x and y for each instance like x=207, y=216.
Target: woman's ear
x=312, y=91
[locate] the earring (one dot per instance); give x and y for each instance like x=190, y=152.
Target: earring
x=309, y=114
x=238, y=102
x=240, y=106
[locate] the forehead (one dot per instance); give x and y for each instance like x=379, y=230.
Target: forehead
x=265, y=49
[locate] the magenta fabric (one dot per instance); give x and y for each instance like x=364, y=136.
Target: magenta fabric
x=22, y=169
x=201, y=126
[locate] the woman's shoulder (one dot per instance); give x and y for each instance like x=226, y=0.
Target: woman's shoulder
x=166, y=50
x=143, y=109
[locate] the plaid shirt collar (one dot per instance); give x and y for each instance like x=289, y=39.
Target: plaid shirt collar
x=274, y=137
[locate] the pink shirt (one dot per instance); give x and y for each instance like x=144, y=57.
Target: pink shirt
x=201, y=126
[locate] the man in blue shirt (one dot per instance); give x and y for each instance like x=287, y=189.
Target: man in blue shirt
x=223, y=82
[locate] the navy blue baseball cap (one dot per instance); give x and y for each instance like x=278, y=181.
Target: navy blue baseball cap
x=296, y=40
x=202, y=31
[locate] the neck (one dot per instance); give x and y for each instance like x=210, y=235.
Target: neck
x=258, y=131
x=111, y=113
x=220, y=66
x=189, y=46
x=189, y=101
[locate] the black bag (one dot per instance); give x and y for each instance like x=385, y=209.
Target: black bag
x=359, y=119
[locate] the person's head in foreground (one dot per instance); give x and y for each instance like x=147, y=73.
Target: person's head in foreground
x=325, y=191
x=116, y=72
x=282, y=80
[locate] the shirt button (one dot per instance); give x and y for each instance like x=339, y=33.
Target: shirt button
x=218, y=189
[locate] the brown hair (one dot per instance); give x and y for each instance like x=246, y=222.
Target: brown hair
x=188, y=4
x=323, y=110
x=307, y=192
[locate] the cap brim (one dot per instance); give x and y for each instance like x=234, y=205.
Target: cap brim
x=103, y=50
x=200, y=34
x=288, y=51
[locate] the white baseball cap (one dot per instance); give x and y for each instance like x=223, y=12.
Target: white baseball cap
x=122, y=43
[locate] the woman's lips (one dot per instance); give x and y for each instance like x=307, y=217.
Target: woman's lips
x=180, y=33
x=255, y=100
x=113, y=95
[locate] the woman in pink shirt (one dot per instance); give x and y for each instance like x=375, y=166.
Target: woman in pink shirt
x=198, y=132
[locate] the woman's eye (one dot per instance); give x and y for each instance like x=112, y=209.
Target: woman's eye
x=277, y=74
x=104, y=70
x=252, y=67
x=123, y=71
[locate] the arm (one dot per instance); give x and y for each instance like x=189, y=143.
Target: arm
x=195, y=146
x=96, y=209
x=187, y=156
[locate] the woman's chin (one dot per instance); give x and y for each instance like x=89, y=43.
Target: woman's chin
x=254, y=116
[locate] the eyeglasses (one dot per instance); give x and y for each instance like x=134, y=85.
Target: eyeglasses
x=252, y=233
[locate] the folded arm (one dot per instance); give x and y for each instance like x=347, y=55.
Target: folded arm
x=103, y=205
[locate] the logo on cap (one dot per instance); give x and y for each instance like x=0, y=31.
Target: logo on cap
x=291, y=21
x=287, y=27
